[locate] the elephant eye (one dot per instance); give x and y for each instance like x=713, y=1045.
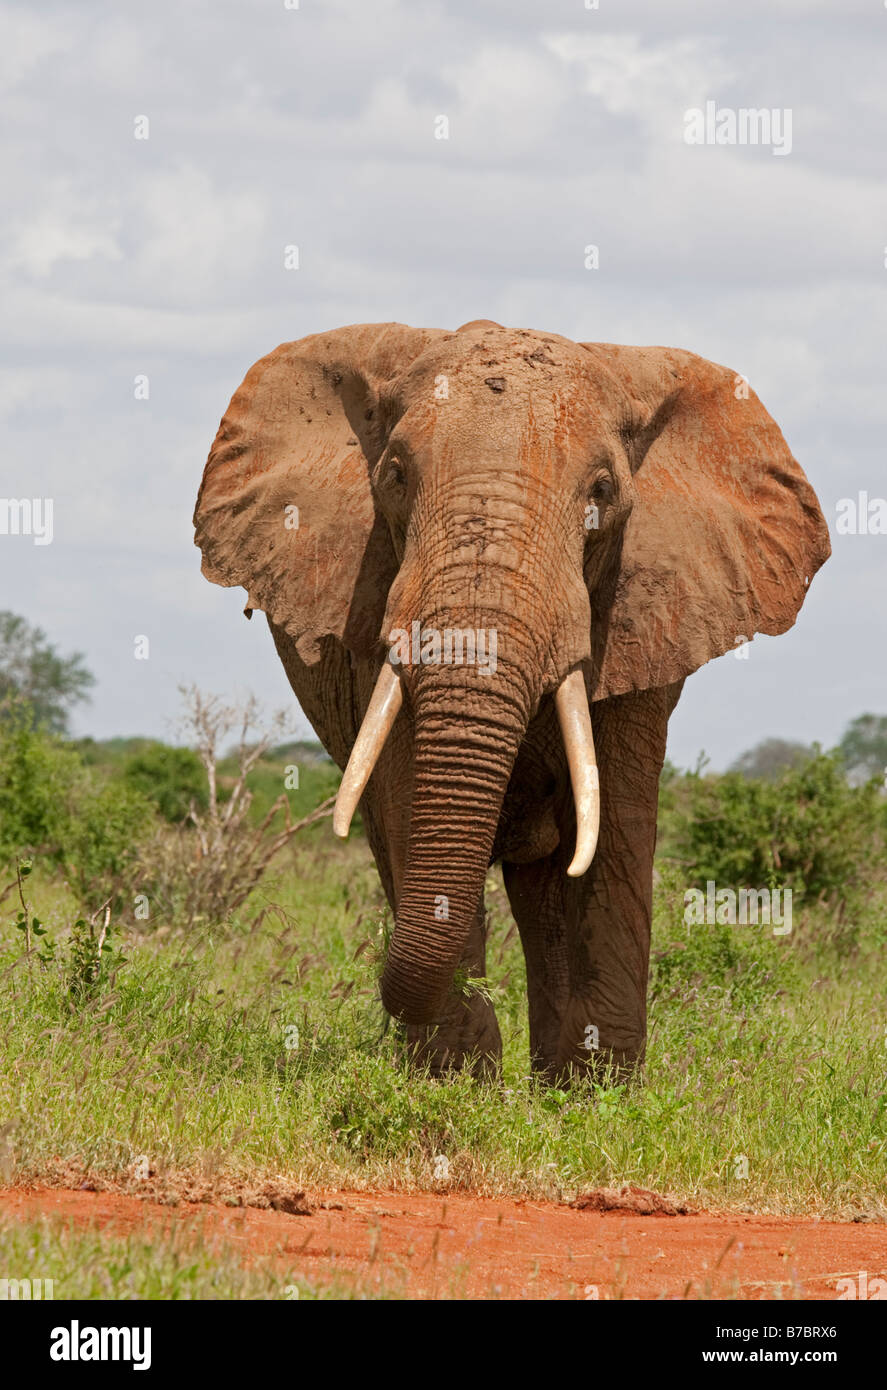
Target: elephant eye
x=395, y=475
x=601, y=491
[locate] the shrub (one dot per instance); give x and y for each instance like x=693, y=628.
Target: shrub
x=38, y=779
x=169, y=777
x=89, y=957
x=807, y=830
x=204, y=870
x=51, y=804
x=99, y=840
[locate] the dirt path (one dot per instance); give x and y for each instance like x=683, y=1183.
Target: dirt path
x=444, y=1246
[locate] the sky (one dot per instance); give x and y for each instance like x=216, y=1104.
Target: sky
x=272, y=124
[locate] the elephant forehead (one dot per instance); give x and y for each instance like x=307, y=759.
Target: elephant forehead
x=487, y=355
x=507, y=383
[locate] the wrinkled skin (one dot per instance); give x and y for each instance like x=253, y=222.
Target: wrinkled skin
x=626, y=512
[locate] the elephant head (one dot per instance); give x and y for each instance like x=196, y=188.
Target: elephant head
x=600, y=519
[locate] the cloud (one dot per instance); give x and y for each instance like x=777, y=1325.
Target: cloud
x=192, y=235
x=28, y=39
x=650, y=82
x=64, y=227
x=315, y=127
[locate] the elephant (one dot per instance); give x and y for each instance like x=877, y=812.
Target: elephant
x=489, y=558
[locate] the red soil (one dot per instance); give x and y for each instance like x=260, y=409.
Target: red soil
x=453, y=1245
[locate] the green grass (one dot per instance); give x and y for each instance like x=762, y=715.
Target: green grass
x=176, y=1262
x=318, y=779
x=771, y=1049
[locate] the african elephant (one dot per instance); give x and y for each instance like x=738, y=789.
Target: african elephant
x=599, y=520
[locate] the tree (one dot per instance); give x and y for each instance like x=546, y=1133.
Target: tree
x=863, y=747
x=771, y=758
x=33, y=670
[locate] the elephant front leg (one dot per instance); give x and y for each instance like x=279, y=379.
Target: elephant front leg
x=586, y=969
x=467, y=1034
x=608, y=912
x=536, y=896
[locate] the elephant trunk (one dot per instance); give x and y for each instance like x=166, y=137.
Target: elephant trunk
x=461, y=773
x=469, y=719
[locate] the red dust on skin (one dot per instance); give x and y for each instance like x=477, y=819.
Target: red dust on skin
x=446, y=1245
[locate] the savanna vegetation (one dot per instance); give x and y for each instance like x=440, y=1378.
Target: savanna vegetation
x=189, y=1005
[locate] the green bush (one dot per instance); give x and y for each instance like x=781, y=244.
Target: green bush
x=743, y=965
x=383, y=1111
x=807, y=830
x=38, y=778
x=99, y=839
x=169, y=777
x=89, y=957
x=54, y=806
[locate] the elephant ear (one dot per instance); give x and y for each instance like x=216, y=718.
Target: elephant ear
x=725, y=534
x=285, y=507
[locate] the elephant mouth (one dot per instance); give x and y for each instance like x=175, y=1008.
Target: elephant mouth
x=574, y=719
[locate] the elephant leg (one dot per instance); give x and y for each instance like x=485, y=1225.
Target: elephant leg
x=535, y=894
x=609, y=911
x=467, y=1033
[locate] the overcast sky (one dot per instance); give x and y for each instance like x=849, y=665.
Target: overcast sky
x=315, y=126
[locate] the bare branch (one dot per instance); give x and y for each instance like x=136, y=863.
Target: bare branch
x=207, y=867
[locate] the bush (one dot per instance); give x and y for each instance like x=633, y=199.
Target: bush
x=205, y=870
x=38, y=778
x=51, y=804
x=89, y=957
x=742, y=964
x=99, y=841
x=808, y=830
x=169, y=777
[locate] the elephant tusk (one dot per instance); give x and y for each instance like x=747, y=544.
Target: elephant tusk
x=382, y=711
x=574, y=718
